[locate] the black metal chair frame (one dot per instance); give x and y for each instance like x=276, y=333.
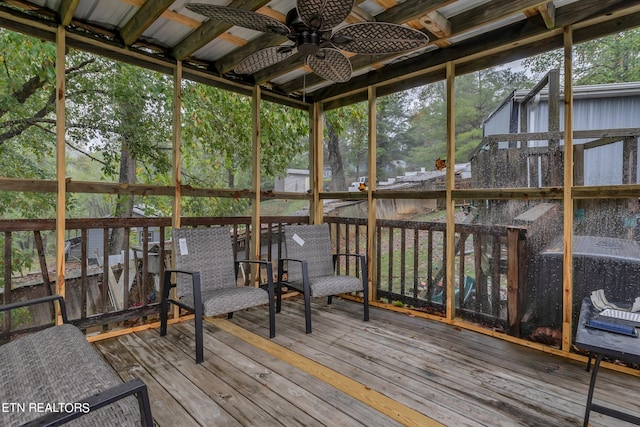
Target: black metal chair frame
x=306, y=289
x=134, y=387
x=197, y=308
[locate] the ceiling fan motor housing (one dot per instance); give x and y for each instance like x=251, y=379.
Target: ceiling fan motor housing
x=308, y=42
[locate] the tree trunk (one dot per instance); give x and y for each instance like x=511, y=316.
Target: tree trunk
x=335, y=160
x=124, y=202
x=231, y=181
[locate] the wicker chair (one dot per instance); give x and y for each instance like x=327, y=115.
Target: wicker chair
x=57, y=366
x=206, y=283
x=311, y=268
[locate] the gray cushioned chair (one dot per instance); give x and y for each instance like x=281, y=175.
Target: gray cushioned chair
x=207, y=283
x=311, y=268
x=57, y=366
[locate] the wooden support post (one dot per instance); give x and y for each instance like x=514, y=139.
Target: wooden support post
x=555, y=155
x=567, y=199
x=450, y=185
x=105, y=271
x=630, y=160
x=84, y=234
x=175, y=153
x=255, y=183
x=316, y=162
x=513, y=278
x=371, y=202
x=61, y=200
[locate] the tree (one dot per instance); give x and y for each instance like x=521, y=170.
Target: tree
x=346, y=131
x=27, y=93
x=217, y=143
x=611, y=59
x=477, y=95
x=391, y=133
x=119, y=117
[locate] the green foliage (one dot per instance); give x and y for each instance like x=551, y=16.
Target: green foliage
x=119, y=120
x=217, y=144
x=610, y=59
x=22, y=257
x=19, y=317
x=120, y=116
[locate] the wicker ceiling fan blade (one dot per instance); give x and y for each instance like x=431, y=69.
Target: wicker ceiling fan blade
x=240, y=17
x=331, y=64
x=264, y=58
x=373, y=38
x=323, y=15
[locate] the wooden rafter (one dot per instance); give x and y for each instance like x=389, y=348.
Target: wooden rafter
x=210, y=30
x=508, y=43
x=463, y=22
x=143, y=18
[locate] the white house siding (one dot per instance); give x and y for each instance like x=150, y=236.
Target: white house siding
x=595, y=107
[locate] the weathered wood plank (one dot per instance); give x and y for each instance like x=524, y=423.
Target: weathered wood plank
x=282, y=400
x=569, y=375
x=456, y=376
x=180, y=387
x=220, y=392
x=165, y=409
x=341, y=406
x=421, y=368
x=556, y=387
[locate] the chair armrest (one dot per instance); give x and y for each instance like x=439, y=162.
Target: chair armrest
x=264, y=263
x=303, y=265
x=97, y=401
x=180, y=271
x=349, y=255
x=195, y=281
x=362, y=264
x=281, y=266
x=41, y=300
x=290, y=259
x=360, y=257
x=253, y=261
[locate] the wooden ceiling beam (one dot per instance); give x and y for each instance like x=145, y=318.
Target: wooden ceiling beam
x=227, y=63
x=496, y=47
x=437, y=24
x=548, y=13
x=143, y=18
x=211, y=29
x=587, y=9
x=465, y=21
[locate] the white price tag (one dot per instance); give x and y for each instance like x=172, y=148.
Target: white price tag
x=298, y=239
x=183, y=246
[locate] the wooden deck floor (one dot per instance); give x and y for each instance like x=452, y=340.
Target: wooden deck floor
x=394, y=370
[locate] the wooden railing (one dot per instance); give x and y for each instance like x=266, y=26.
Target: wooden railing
x=103, y=290
x=410, y=267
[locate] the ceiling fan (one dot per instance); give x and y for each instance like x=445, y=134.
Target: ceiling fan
x=310, y=26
